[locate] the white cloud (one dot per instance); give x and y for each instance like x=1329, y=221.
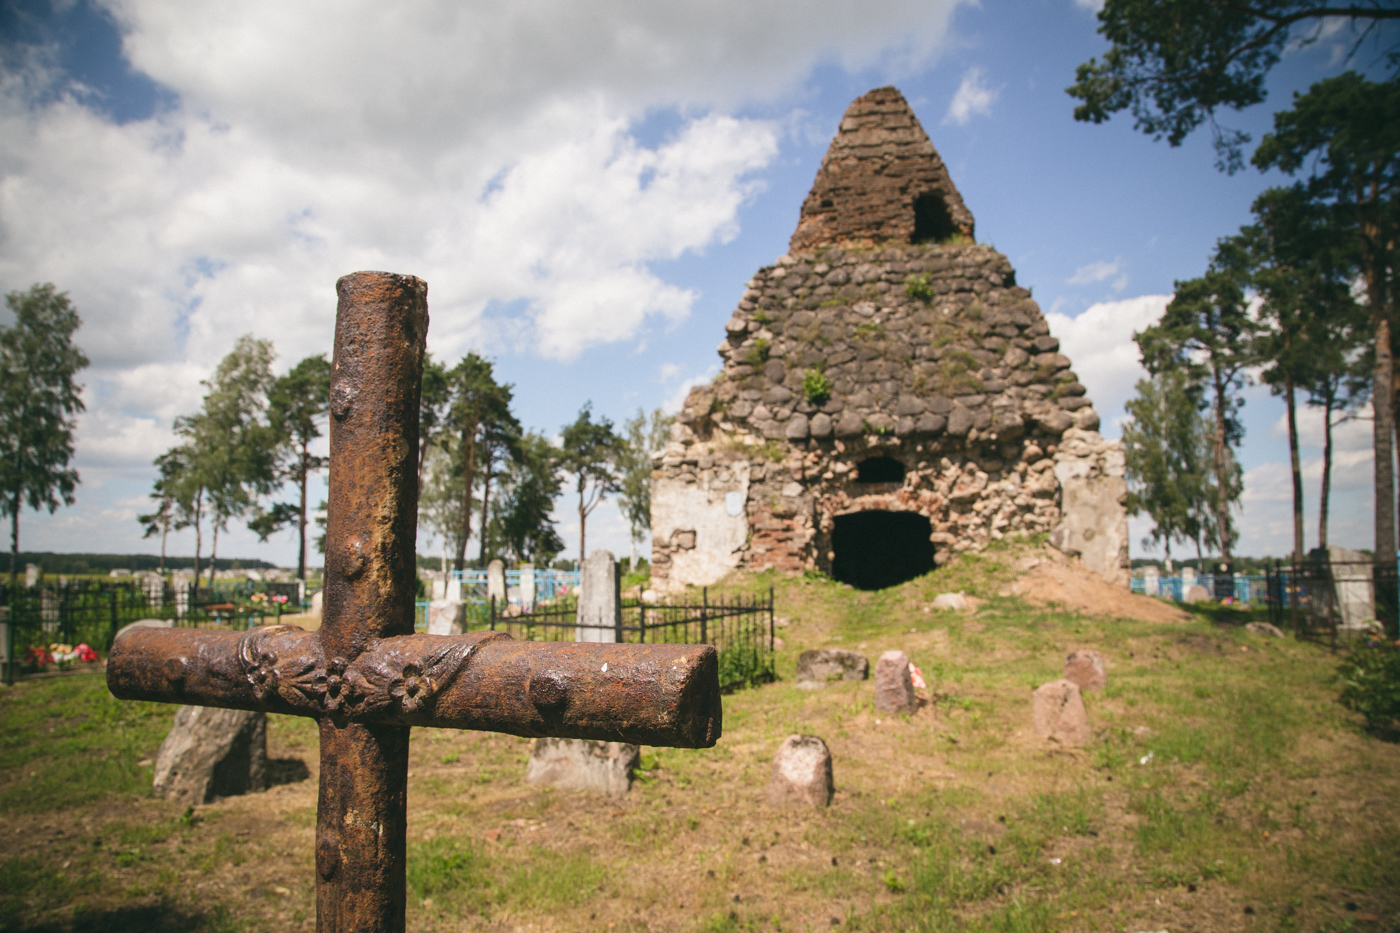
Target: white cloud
x=676, y=399
x=972, y=98
x=1100, y=344
x=1098, y=272
x=1093, y=6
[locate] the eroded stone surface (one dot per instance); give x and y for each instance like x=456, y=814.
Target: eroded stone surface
x=867, y=341
x=583, y=765
x=1264, y=628
x=818, y=666
x=894, y=686
x=445, y=617
x=1087, y=670
x=953, y=601
x=1057, y=711
x=211, y=753
x=801, y=773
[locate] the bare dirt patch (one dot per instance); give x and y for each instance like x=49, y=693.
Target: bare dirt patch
x=1049, y=579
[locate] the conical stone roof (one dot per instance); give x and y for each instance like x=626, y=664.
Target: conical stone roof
x=881, y=182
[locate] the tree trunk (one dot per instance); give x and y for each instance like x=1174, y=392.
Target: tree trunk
x=213, y=553
x=301, y=514
x=1384, y=424
x=488, y=462
x=1222, y=480
x=198, y=532
x=1326, y=472
x=164, y=535
x=14, y=541
x=468, y=478
x=582, y=519
x=1294, y=462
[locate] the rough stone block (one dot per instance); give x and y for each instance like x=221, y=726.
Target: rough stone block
x=1087, y=670
x=894, y=686
x=801, y=773
x=953, y=601
x=1195, y=594
x=583, y=765
x=1057, y=711
x=1264, y=628
x=817, y=666
x=445, y=617
x=212, y=753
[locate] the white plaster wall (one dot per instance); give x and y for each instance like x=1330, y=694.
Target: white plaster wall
x=678, y=507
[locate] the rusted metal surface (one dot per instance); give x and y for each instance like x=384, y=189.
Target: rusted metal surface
x=365, y=675
x=647, y=694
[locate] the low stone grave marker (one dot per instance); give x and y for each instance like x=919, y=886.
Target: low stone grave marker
x=817, y=667
x=1057, y=711
x=211, y=753
x=894, y=685
x=801, y=773
x=1087, y=670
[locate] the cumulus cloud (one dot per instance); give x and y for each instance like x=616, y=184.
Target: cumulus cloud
x=972, y=98
x=1100, y=343
x=1093, y=6
x=492, y=149
x=1099, y=272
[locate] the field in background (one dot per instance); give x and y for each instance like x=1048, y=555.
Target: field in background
x=1225, y=789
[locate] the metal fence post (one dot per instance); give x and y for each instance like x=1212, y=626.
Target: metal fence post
x=642, y=620
x=493, y=613
x=112, y=633
x=770, y=619
x=704, y=613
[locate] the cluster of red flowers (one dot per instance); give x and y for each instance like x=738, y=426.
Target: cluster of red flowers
x=86, y=654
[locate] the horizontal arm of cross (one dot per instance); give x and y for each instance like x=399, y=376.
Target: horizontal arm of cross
x=662, y=695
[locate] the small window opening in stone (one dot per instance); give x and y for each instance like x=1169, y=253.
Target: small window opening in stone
x=827, y=202
x=877, y=549
x=932, y=222
x=880, y=470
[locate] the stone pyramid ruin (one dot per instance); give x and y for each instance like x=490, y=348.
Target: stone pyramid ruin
x=890, y=396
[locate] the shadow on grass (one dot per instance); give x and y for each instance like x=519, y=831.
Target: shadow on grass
x=152, y=918
x=286, y=771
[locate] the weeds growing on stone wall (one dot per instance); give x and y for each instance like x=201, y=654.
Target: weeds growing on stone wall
x=816, y=388
x=918, y=287
x=758, y=353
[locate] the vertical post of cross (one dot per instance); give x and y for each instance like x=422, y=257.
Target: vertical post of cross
x=381, y=325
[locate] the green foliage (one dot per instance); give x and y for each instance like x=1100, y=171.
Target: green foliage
x=763, y=317
x=39, y=402
x=591, y=453
x=758, y=353
x=816, y=387
x=918, y=287
x=522, y=521
x=643, y=437
x=1168, y=456
x=1371, y=686
x=1173, y=63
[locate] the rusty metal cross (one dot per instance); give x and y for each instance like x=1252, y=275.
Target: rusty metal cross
x=365, y=676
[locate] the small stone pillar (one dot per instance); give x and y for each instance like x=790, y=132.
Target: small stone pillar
x=801, y=773
x=581, y=764
x=212, y=753
x=496, y=583
x=894, y=687
x=1151, y=581
x=599, y=599
x=31, y=575
x=454, y=588
x=527, y=587
x=445, y=617
x=1087, y=670
x=181, y=586
x=1057, y=711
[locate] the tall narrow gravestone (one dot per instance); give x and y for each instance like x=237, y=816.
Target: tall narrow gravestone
x=580, y=765
x=364, y=676
x=496, y=583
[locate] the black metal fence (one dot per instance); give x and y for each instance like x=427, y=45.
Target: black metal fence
x=91, y=612
x=1318, y=599
x=740, y=628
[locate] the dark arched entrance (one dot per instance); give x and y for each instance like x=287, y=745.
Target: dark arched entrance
x=879, y=470
x=879, y=549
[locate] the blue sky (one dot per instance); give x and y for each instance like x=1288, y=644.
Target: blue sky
x=586, y=192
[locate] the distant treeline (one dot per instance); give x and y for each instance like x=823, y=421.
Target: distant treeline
x=74, y=564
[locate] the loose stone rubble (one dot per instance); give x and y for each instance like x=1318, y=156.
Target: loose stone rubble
x=801, y=773
x=886, y=364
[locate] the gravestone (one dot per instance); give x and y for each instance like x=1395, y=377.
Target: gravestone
x=894, y=686
x=801, y=773
x=1353, y=587
x=1188, y=577
x=445, y=617
x=439, y=588
x=154, y=587
x=31, y=575
x=1087, y=670
x=818, y=666
x=527, y=587
x=454, y=588
x=1058, y=714
x=599, y=599
x=579, y=764
x=182, y=586
x=1151, y=581
x=212, y=753
x=583, y=765
x=144, y=623
x=496, y=583
x=1195, y=593
x=48, y=610
x=1264, y=628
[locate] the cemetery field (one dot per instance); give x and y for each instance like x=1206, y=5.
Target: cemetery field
x=1224, y=789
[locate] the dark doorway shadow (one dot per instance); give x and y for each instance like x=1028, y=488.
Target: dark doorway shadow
x=879, y=549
